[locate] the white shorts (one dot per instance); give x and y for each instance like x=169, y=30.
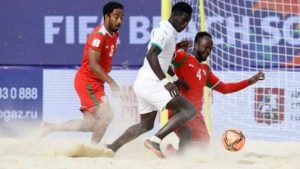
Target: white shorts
x=151, y=95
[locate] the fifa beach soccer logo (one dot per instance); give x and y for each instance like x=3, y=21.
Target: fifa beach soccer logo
x=269, y=105
x=286, y=13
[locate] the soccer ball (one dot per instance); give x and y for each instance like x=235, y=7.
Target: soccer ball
x=233, y=140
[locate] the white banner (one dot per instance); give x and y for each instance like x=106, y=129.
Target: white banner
x=268, y=110
x=61, y=102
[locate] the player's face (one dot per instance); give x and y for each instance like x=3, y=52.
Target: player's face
x=203, y=48
x=115, y=19
x=181, y=21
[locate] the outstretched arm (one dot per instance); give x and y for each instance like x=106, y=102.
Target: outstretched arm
x=226, y=88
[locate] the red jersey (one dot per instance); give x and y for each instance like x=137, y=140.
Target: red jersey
x=197, y=75
x=101, y=41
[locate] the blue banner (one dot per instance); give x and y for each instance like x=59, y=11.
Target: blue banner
x=247, y=34
x=54, y=32
x=21, y=97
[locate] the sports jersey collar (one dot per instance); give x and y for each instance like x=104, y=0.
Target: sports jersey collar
x=104, y=31
x=169, y=26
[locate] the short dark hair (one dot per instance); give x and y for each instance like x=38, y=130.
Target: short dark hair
x=110, y=6
x=200, y=35
x=181, y=7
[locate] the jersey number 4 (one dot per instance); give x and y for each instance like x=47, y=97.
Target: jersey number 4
x=198, y=74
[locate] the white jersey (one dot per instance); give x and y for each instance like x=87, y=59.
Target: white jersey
x=162, y=36
x=150, y=92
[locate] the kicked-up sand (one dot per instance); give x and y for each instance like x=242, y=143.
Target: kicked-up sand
x=70, y=153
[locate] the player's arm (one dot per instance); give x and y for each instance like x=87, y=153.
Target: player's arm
x=94, y=57
x=171, y=71
x=152, y=57
x=226, y=88
x=96, y=44
x=184, y=44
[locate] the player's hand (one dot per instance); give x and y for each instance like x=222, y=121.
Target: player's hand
x=259, y=76
x=114, y=87
x=184, y=44
x=172, y=88
x=182, y=83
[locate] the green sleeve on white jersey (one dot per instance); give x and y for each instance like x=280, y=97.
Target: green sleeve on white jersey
x=155, y=44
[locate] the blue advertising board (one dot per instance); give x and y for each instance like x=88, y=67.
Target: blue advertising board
x=54, y=32
x=247, y=34
x=21, y=97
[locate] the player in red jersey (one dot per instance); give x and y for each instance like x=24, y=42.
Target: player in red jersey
x=91, y=76
x=197, y=75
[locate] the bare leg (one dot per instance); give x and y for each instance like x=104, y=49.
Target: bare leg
x=186, y=111
x=104, y=118
x=96, y=123
x=146, y=124
x=185, y=136
x=85, y=125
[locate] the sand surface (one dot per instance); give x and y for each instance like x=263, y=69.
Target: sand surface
x=55, y=153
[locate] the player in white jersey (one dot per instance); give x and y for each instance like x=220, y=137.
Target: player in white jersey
x=153, y=89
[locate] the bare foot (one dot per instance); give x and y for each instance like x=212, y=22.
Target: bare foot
x=109, y=146
x=45, y=129
x=154, y=147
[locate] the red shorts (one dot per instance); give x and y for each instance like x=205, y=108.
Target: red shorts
x=198, y=128
x=91, y=94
